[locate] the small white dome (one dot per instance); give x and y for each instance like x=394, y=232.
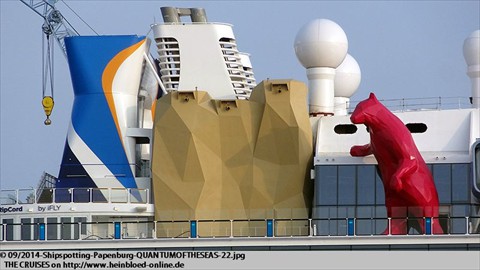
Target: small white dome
x=471, y=49
x=321, y=43
x=347, y=77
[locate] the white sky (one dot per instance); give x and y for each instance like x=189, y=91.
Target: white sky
x=405, y=49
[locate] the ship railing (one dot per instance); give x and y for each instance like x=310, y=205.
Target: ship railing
x=260, y=228
x=74, y=195
x=420, y=104
x=47, y=181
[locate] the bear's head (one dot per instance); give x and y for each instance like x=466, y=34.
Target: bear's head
x=365, y=110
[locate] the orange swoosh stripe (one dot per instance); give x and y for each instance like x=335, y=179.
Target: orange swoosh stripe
x=109, y=74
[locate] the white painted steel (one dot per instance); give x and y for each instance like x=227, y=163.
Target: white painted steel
x=321, y=43
x=347, y=77
x=240, y=242
x=202, y=56
x=321, y=90
x=471, y=53
x=448, y=138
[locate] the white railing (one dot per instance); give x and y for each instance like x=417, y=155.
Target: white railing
x=417, y=104
x=74, y=195
x=46, y=181
x=118, y=230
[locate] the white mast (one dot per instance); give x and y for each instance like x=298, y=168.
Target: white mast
x=471, y=53
x=321, y=45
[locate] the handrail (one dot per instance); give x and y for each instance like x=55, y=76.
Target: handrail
x=427, y=103
x=74, y=195
x=46, y=181
x=119, y=230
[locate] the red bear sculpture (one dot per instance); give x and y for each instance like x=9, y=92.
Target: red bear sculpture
x=407, y=181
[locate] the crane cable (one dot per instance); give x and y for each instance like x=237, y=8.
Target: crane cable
x=47, y=70
x=78, y=17
x=47, y=60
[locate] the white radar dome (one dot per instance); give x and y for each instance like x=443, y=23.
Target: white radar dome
x=347, y=77
x=321, y=43
x=471, y=49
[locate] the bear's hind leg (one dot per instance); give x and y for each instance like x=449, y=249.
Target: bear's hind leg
x=416, y=218
x=398, y=218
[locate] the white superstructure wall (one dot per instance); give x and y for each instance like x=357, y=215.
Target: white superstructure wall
x=202, y=56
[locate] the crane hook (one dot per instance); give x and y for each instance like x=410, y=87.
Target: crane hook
x=47, y=103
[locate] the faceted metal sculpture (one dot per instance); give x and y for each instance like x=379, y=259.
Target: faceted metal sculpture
x=233, y=159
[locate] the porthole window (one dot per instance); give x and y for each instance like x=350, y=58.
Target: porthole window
x=345, y=129
x=417, y=127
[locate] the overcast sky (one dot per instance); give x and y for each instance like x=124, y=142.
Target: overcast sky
x=405, y=49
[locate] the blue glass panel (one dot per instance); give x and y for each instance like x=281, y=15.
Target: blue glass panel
x=461, y=183
x=326, y=185
x=346, y=185
x=379, y=190
x=365, y=185
x=443, y=182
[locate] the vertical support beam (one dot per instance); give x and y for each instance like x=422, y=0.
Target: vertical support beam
x=3, y=232
x=154, y=227
x=389, y=226
x=310, y=228
x=467, y=232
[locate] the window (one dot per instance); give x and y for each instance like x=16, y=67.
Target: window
x=52, y=228
x=346, y=185
x=9, y=228
x=37, y=222
x=26, y=229
x=345, y=129
x=365, y=185
x=379, y=189
x=345, y=191
x=326, y=191
x=81, y=229
x=442, y=177
x=460, y=183
x=66, y=228
x=416, y=127
x=477, y=167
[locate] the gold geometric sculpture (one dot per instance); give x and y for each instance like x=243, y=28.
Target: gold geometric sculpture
x=233, y=159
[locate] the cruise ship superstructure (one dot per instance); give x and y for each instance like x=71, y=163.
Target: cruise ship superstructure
x=184, y=149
